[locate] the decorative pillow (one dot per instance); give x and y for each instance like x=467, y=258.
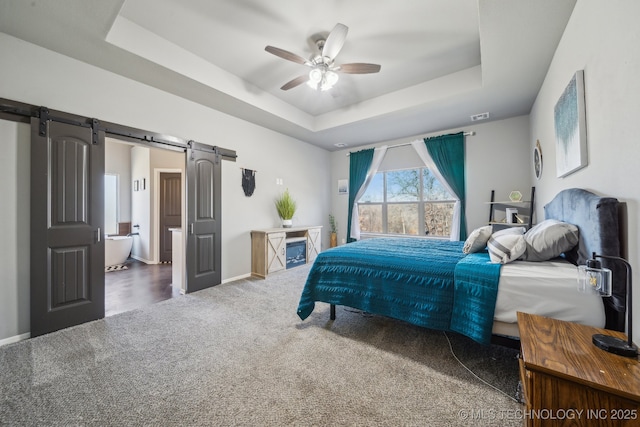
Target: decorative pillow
x=506, y=247
x=477, y=240
x=510, y=230
x=549, y=239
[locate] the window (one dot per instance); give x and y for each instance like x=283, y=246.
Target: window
x=406, y=202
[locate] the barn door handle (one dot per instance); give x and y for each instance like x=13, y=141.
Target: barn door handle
x=98, y=235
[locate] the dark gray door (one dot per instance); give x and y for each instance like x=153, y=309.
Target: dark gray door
x=203, y=257
x=170, y=211
x=67, y=215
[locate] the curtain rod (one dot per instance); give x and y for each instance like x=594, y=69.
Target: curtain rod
x=470, y=133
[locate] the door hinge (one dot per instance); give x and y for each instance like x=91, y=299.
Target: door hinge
x=190, y=144
x=94, y=130
x=44, y=118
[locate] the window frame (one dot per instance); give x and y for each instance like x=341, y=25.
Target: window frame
x=421, y=208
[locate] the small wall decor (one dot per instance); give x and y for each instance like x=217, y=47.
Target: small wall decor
x=571, y=128
x=515, y=196
x=248, y=181
x=136, y=185
x=343, y=186
x=537, y=160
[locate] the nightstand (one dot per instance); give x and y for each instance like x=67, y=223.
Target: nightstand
x=569, y=381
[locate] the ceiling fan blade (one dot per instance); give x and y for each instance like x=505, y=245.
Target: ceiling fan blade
x=295, y=82
x=335, y=41
x=285, y=54
x=358, y=68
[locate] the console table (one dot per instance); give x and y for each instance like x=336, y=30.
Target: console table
x=569, y=381
x=269, y=247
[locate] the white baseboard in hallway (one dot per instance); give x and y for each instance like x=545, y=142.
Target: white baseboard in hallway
x=14, y=339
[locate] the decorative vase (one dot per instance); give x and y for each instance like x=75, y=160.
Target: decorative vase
x=333, y=240
x=287, y=223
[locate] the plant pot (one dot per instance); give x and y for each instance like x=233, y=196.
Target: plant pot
x=333, y=240
x=287, y=223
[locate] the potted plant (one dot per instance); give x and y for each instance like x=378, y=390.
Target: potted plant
x=286, y=208
x=333, y=236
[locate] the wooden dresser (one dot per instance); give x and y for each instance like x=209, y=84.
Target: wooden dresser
x=568, y=381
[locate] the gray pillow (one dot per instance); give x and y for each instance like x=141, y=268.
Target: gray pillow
x=506, y=247
x=549, y=239
x=477, y=240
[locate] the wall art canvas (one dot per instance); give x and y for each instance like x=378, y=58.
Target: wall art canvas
x=571, y=128
x=343, y=186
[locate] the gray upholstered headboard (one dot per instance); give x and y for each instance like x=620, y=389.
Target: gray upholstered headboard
x=597, y=219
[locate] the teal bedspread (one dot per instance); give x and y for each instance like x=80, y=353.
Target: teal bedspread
x=425, y=282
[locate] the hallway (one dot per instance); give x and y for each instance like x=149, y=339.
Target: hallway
x=140, y=285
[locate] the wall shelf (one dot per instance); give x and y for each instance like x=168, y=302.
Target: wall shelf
x=498, y=211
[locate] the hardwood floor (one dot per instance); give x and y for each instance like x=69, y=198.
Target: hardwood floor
x=140, y=285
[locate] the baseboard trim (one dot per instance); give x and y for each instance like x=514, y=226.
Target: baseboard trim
x=232, y=279
x=146, y=261
x=15, y=339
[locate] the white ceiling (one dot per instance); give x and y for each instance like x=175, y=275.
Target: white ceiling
x=442, y=60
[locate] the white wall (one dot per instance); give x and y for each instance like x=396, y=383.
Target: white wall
x=14, y=216
x=86, y=90
x=141, y=204
x=117, y=161
x=497, y=158
x=603, y=39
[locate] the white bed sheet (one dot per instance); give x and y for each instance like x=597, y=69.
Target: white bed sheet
x=546, y=288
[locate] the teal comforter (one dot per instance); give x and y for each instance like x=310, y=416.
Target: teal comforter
x=425, y=282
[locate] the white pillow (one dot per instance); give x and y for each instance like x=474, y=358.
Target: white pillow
x=510, y=230
x=477, y=240
x=506, y=247
x=549, y=239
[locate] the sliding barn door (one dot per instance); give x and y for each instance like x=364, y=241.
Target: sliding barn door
x=203, y=257
x=67, y=215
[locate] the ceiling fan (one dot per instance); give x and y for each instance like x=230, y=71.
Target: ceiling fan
x=323, y=74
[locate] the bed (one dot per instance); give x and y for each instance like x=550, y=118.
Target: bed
x=432, y=283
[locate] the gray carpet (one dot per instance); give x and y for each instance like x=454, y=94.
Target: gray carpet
x=237, y=354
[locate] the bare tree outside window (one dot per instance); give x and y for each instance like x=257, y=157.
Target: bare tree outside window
x=437, y=218
x=396, y=200
x=370, y=218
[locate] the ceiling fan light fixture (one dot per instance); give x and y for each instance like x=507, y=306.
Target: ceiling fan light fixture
x=322, y=79
x=315, y=76
x=323, y=74
x=329, y=79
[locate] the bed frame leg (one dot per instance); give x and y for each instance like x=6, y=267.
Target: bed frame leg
x=332, y=316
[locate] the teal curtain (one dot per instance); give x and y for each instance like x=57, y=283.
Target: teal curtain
x=447, y=152
x=359, y=164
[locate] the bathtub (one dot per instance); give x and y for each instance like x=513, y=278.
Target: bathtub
x=117, y=249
